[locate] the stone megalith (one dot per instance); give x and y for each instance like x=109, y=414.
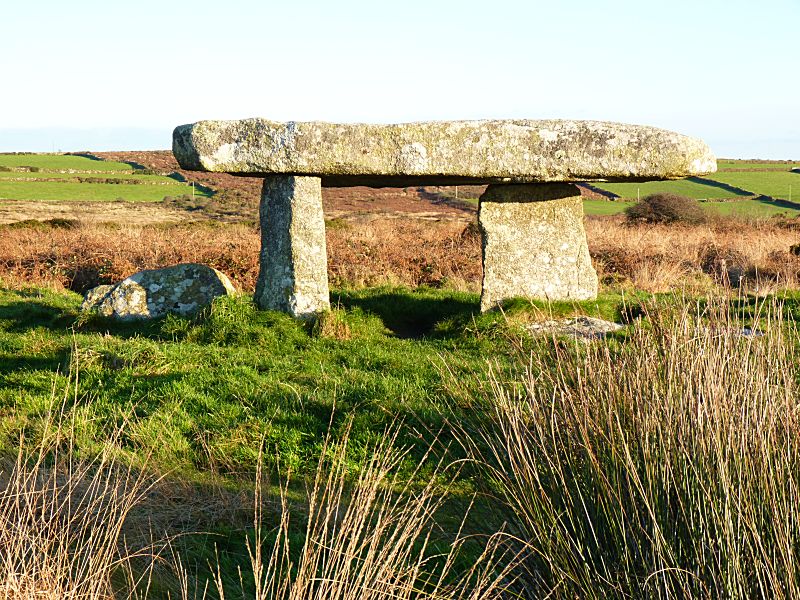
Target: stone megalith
x=531, y=218
x=293, y=276
x=534, y=244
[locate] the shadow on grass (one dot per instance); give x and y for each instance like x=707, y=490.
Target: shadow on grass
x=778, y=202
x=22, y=316
x=32, y=363
x=736, y=191
x=406, y=313
x=28, y=314
x=90, y=156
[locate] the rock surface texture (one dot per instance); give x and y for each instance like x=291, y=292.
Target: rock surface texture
x=181, y=289
x=534, y=244
x=439, y=153
x=293, y=276
x=581, y=327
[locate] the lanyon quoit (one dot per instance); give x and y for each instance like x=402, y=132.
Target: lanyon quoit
x=530, y=216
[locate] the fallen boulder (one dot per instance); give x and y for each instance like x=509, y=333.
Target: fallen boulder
x=181, y=289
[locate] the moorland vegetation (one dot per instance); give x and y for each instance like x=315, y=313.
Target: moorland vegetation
x=403, y=445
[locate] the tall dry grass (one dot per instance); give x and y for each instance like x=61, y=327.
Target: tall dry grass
x=369, y=540
x=373, y=252
x=660, y=258
x=664, y=467
x=63, y=520
x=409, y=251
x=71, y=527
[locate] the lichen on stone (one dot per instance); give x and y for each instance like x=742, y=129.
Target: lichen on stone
x=440, y=152
x=534, y=244
x=181, y=289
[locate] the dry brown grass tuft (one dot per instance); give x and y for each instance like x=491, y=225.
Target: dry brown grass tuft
x=331, y=324
x=405, y=251
x=84, y=256
x=370, y=540
x=62, y=521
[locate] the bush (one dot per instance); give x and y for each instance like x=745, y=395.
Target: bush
x=667, y=208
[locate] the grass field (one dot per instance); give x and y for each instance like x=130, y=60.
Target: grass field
x=61, y=186
x=767, y=178
x=692, y=189
x=200, y=396
x=57, y=162
x=753, y=208
x=239, y=374
x=27, y=175
x=773, y=184
x=377, y=451
x=724, y=165
x=605, y=207
x=746, y=207
x=90, y=192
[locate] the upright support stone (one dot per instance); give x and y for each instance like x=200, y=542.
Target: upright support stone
x=534, y=244
x=294, y=265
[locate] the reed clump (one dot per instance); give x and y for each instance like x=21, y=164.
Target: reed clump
x=666, y=466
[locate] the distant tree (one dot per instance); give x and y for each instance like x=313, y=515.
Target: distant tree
x=666, y=208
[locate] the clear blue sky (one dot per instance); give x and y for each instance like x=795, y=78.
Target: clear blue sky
x=91, y=74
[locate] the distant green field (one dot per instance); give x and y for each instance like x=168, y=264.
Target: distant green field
x=746, y=207
x=60, y=162
x=752, y=208
x=90, y=192
x=605, y=207
x=67, y=176
x=772, y=166
x=776, y=184
x=692, y=189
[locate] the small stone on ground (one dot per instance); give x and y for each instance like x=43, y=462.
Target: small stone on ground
x=583, y=327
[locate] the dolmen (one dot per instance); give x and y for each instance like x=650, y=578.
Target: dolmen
x=530, y=216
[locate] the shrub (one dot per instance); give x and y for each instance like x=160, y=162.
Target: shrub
x=667, y=208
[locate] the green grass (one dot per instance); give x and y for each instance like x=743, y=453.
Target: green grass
x=774, y=184
x=723, y=165
x=598, y=422
x=684, y=187
x=60, y=162
x=605, y=207
x=753, y=208
x=744, y=207
x=90, y=192
x=160, y=179
x=215, y=385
